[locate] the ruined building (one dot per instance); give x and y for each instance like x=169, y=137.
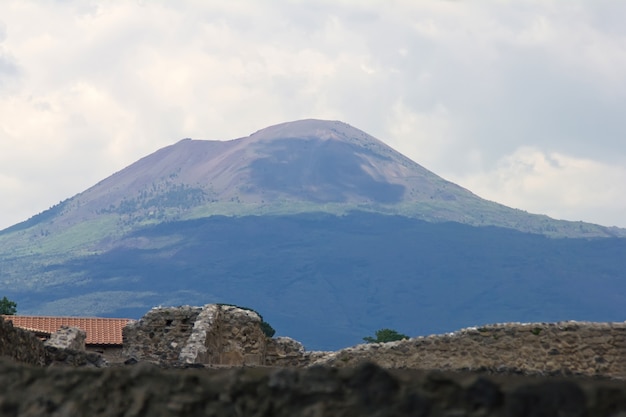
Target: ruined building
x=215, y=335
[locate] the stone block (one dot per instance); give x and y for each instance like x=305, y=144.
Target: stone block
x=67, y=338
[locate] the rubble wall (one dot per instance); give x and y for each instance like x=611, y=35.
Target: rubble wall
x=217, y=335
x=20, y=345
x=242, y=342
x=160, y=335
x=534, y=348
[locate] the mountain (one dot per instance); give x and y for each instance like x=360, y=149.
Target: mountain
x=325, y=230
x=302, y=166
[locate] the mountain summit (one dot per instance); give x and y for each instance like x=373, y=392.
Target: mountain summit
x=302, y=166
x=308, y=161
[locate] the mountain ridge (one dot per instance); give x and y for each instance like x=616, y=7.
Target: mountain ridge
x=307, y=165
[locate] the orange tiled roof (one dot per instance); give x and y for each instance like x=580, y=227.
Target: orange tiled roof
x=100, y=331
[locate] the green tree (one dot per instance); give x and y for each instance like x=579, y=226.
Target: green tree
x=385, y=335
x=267, y=329
x=7, y=306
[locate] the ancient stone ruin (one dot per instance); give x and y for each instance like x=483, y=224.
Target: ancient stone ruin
x=562, y=348
x=350, y=384
x=65, y=347
x=215, y=335
x=21, y=345
x=219, y=335
x=225, y=336
x=67, y=338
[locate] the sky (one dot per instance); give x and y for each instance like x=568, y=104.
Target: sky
x=521, y=102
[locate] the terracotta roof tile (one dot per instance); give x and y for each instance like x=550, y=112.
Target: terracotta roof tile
x=100, y=331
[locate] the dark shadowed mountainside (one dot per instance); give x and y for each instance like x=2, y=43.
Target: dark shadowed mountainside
x=328, y=281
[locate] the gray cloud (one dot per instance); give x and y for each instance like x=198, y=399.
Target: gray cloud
x=473, y=92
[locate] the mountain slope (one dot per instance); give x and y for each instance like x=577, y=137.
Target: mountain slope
x=324, y=229
x=328, y=281
x=302, y=166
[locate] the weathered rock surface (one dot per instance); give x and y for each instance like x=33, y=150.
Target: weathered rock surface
x=595, y=349
x=67, y=338
x=20, y=345
x=217, y=335
x=160, y=335
x=203, y=342
x=237, y=339
x=367, y=390
x=230, y=336
x=285, y=351
x=74, y=358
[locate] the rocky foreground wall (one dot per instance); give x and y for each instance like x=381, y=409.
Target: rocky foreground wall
x=536, y=348
x=21, y=345
x=367, y=390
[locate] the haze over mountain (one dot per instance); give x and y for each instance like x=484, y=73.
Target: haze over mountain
x=325, y=230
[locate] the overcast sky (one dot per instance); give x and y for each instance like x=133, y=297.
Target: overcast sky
x=522, y=102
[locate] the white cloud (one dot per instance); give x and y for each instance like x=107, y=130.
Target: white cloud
x=561, y=186
x=90, y=86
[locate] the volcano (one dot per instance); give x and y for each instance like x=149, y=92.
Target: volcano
x=302, y=166
x=324, y=229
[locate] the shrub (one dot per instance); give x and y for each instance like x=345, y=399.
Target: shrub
x=385, y=335
x=8, y=307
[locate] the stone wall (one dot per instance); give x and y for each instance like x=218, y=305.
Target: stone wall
x=242, y=342
x=110, y=353
x=67, y=338
x=538, y=348
x=285, y=352
x=218, y=335
x=160, y=335
x=66, y=347
x=210, y=335
x=56, y=357
x=20, y=345
x=213, y=335
x=205, y=339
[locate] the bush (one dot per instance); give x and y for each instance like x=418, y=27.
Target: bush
x=8, y=307
x=267, y=329
x=385, y=335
